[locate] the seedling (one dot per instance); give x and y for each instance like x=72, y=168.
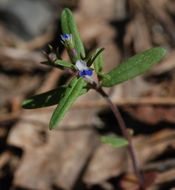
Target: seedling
x=83, y=68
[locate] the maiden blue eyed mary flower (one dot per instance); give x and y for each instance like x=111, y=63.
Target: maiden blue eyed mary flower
x=66, y=37
x=67, y=41
x=84, y=70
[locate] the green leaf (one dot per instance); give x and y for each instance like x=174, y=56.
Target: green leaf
x=133, y=67
x=75, y=89
x=115, y=142
x=68, y=26
x=63, y=63
x=99, y=61
x=59, y=64
x=49, y=98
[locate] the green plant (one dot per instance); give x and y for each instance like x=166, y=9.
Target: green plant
x=83, y=67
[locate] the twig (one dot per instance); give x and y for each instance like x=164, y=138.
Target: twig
x=160, y=101
x=160, y=166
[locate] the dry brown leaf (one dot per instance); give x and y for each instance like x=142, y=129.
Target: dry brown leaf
x=50, y=158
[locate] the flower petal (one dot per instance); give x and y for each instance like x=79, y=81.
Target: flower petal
x=89, y=72
x=84, y=73
x=81, y=65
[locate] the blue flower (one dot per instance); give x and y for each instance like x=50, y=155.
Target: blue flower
x=85, y=73
x=66, y=37
x=84, y=70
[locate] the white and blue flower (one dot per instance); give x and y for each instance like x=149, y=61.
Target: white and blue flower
x=67, y=41
x=84, y=70
x=66, y=37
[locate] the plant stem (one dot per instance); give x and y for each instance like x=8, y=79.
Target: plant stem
x=125, y=133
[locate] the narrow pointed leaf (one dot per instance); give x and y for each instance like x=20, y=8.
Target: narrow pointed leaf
x=99, y=61
x=46, y=99
x=97, y=53
x=68, y=26
x=115, y=142
x=74, y=90
x=133, y=67
x=59, y=64
x=63, y=63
